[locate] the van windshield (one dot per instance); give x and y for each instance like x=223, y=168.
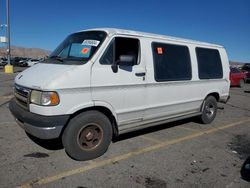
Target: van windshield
x=77, y=48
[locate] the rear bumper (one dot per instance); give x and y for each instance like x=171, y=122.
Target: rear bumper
x=44, y=127
x=224, y=99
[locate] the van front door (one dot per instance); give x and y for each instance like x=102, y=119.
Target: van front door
x=121, y=90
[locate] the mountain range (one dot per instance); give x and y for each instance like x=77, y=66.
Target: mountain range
x=25, y=52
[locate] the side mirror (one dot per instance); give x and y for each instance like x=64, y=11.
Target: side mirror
x=124, y=60
x=114, y=67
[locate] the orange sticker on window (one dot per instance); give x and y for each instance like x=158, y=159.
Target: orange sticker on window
x=85, y=50
x=159, y=50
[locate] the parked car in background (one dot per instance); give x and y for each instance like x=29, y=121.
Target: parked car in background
x=246, y=70
x=32, y=62
x=23, y=62
x=3, y=62
x=237, y=77
x=15, y=61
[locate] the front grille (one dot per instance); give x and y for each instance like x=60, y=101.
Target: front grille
x=22, y=95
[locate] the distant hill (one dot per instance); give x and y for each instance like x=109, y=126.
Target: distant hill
x=237, y=63
x=25, y=52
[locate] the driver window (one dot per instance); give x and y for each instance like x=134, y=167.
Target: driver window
x=121, y=46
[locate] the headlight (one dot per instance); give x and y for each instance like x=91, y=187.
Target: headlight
x=36, y=97
x=44, y=98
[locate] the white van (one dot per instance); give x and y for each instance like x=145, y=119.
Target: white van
x=104, y=82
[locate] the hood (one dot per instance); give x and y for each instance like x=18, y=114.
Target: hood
x=41, y=76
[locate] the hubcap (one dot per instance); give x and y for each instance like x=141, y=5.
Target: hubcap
x=90, y=136
x=209, y=110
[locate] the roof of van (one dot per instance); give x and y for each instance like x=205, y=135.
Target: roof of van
x=112, y=31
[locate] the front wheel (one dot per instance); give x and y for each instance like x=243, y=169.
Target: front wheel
x=209, y=110
x=87, y=136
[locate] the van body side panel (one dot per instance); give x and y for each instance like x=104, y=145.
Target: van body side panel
x=226, y=74
x=124, y=91
x=208, y=86
x=169, y=98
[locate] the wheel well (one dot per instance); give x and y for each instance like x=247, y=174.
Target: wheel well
x=215, y=95
x=103, y=110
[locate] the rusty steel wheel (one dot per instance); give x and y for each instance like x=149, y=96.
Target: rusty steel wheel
x=87, y=136
x=90, y=136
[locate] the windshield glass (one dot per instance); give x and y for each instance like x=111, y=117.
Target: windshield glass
x=77, y=48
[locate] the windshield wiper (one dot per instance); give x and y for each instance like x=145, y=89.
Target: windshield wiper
x=57, y=58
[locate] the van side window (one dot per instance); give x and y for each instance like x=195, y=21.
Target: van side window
x=171, y=62
x=209, y=63
x=120, y=46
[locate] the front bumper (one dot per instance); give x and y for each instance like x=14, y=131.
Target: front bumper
x=44, y=127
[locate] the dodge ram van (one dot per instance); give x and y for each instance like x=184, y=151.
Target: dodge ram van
x=101, y=83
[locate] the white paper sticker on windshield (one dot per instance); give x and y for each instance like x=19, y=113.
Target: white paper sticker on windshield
x=91, y=42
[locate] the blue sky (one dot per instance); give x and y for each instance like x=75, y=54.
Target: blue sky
x=45, y=23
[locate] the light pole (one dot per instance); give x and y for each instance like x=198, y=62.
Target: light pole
x=8, y=28
x=8, y=67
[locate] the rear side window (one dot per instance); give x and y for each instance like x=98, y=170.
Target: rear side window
x=171, y=62
x=209, y=63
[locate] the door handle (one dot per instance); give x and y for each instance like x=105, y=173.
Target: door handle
x=140, y=74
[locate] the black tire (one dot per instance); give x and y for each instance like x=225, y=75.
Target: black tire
x=87, y=136
x=209, y=110
x=241, y=84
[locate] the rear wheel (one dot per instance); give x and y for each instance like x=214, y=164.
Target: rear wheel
x=209, y=110
x=87, y=136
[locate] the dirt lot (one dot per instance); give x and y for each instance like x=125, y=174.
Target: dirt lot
x=179, y=154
